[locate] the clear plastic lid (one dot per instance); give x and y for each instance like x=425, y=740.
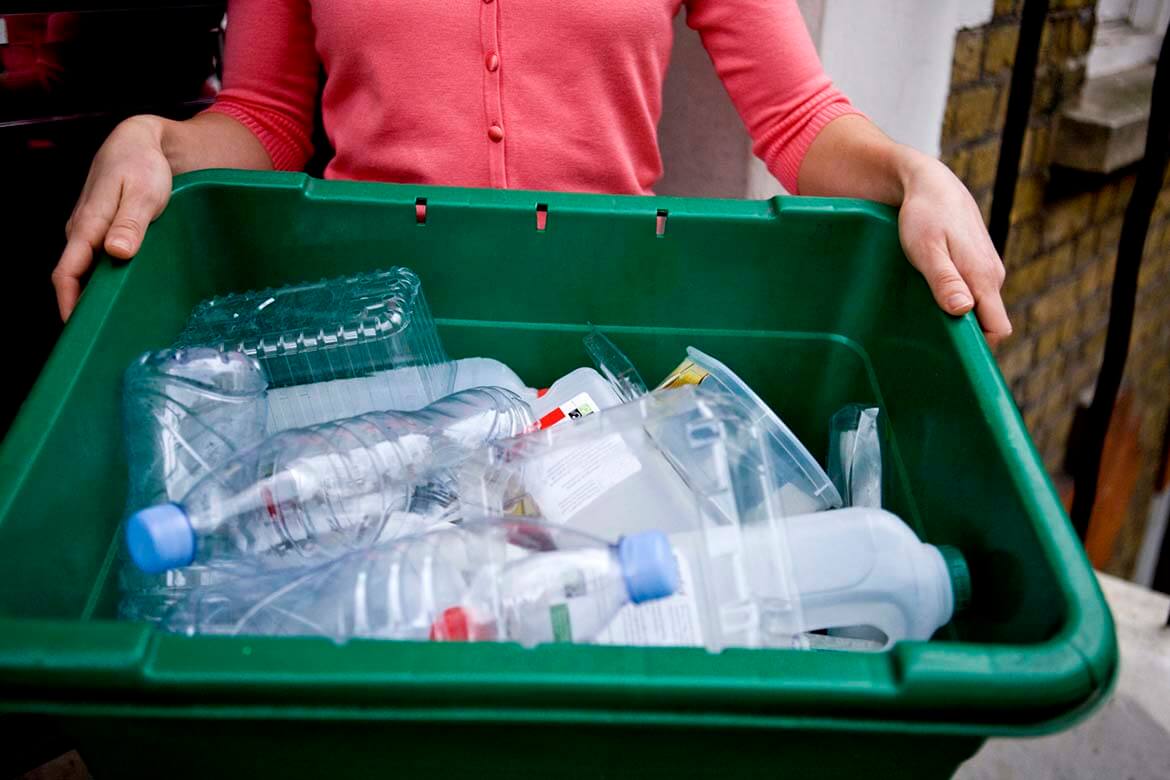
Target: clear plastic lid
x=807, y=486
x=336, y=328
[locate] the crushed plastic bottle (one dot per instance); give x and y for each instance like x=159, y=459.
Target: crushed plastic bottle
x=501, y=580
x=324, y=489
x=184, y=412
x=855, y=455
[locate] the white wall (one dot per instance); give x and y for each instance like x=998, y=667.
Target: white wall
x=891, y=57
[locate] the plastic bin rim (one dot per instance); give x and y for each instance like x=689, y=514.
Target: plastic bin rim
x=1081, y=676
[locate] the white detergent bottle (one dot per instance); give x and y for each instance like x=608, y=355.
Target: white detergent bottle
x=578, y=394
x=864, y=568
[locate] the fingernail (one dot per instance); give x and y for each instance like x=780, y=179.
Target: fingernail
x=958, y=301
x=120, y=244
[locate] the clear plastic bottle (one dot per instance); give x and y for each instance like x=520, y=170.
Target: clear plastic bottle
x=488, y=580
x=397, y=389
x=326, y=488
x=184, y=412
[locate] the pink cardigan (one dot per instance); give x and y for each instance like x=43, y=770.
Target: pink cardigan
x=527, y=94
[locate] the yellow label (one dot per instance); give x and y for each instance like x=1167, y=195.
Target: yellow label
x=687, y=373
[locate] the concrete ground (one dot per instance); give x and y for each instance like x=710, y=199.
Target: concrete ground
x=1129, y=737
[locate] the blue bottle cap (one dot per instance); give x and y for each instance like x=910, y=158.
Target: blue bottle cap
x=160, y=538
x=648, y=565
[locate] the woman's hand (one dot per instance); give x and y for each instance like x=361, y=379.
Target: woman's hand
x=128, y=186
x=943, y=235
x=941, y=228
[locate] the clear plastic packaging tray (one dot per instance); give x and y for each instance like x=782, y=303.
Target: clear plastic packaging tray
x=337, y=328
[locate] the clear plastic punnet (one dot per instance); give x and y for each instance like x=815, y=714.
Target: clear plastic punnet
x=337, y=328
x=688, y=462
x=807, y=486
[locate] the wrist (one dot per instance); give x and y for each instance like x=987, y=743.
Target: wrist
x=908, y=164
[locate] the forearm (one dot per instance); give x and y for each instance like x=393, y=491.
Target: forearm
x=852, y=158
x=209, y=140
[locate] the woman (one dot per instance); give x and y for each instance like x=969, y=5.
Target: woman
x=527, y=94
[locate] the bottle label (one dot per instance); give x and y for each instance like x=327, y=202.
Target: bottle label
x=564, y=483
x=562, y=624
x=688, y=372
x=580, y=405
x=669, y=622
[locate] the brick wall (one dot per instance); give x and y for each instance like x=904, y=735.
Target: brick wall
x=1062, y=246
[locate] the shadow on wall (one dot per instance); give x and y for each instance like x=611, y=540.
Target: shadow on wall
x=705, y=150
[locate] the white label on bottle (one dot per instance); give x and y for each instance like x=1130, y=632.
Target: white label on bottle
x=564, y=483
x=580, y=405
x=669, y=622
x=3, y=31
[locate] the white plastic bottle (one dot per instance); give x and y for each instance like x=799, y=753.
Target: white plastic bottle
x=865, y=567
x=577, y=394
x=499, y=580
x=328, y=487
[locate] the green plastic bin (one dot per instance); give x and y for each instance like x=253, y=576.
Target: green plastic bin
x=810, y=300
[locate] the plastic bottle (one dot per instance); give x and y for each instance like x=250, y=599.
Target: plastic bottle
x=397, y=389
x=329, y=487
x=184, y=412
x=855, y=455
x=503, y=580
x=865, y=567
x=577, y=394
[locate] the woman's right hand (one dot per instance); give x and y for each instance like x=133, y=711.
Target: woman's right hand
x=128, y=186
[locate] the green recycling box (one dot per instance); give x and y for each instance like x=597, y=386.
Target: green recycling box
x=810, y=300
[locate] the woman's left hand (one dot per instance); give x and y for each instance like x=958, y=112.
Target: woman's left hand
x=944, y=237
x=941, y=228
